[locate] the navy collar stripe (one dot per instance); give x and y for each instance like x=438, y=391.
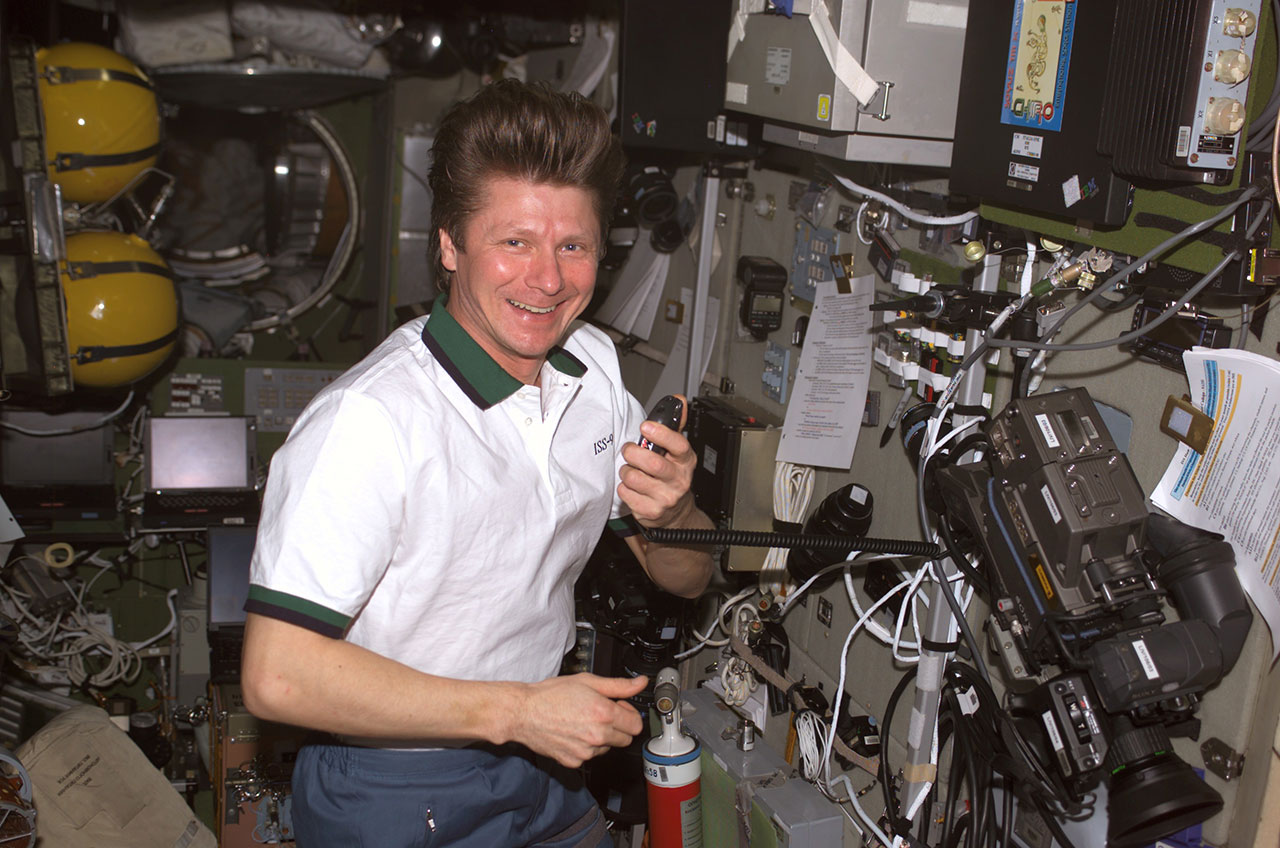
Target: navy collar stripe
x=437, y=350
x=481, y=378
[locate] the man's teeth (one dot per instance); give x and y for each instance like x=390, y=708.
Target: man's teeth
x=534, y=309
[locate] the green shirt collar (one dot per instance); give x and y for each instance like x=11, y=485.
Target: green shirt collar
x=472, y=368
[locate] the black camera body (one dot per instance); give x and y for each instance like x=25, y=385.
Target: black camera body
x=1079, y=572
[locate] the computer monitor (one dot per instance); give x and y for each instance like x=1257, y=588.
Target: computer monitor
x=200, y=452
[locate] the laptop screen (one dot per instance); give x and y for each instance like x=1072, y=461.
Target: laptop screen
x=80, y=458
x=193, y=453
x=230, y=552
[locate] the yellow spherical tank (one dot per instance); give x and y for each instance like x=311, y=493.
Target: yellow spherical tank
x=101, y=120
x=122, y=308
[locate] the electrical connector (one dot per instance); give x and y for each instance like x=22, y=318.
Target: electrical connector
x=1264, y=266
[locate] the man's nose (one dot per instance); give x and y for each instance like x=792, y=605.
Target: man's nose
x=545, y=273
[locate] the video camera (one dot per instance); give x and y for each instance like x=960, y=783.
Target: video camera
x=1079, y=572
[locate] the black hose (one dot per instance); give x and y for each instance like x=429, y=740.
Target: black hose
x=760, y=539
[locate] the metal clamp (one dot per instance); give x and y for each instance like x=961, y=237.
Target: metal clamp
x=869, y=109
x=1221, y=759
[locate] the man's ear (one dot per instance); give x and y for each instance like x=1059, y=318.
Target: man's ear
x=448, y=252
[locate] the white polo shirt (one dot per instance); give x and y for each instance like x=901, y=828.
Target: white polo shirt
x=432, y=508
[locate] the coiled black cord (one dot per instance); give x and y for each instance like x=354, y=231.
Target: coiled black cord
x=760, y=539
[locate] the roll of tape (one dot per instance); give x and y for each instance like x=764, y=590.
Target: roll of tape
x=59, y=555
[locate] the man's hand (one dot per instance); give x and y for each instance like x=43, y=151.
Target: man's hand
x=656, y=487
x=572, y=719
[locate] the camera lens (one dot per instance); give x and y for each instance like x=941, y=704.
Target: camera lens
x=1153, y=793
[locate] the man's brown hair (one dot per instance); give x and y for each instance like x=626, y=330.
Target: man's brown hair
x=526, y=131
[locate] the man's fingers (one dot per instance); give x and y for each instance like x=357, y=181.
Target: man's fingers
x=617, y=687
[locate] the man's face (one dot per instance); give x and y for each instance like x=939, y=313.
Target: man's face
x=528, y=269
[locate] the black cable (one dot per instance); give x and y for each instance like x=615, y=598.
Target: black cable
x=758, y=539
x=962, y=562
x=973, y=750
x=1026, y=765
x=959, y=616
x=1052, y=822
x=886, y=784
x=1019, y=366
x=1006, y=820
x=1127, y=302
x=962, y=826
x=973, y=441
x=953, y=780
x=952, y=550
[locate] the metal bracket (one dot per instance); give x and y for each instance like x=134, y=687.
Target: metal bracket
x=1221, y=759
x=869, y=109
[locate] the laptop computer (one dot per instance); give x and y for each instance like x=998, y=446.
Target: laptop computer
x=67, y=476
x=201, y=472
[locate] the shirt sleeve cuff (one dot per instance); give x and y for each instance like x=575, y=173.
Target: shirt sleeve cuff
x=295, y=610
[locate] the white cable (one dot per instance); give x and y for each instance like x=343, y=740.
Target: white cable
x=707, y=640
x=874, y=627
x=66, y=431
x=66, y=642
x=168, y=628
x=903, y=210
x=736, y=676
x=835, y=711
x=809, y=730
x=909, y=602
x=857, y=222
x=844, y=657
x=1028, y=268
x=855, y=557
x=792, y=492
x=896, y=842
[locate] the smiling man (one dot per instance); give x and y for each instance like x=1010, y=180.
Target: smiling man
x=423, y=526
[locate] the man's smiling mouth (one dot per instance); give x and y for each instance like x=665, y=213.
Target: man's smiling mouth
x=537, y=310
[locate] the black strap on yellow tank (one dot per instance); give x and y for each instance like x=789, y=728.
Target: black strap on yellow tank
x=60, y=74
x=97, y=353
x=87, y=270
x=79, y=161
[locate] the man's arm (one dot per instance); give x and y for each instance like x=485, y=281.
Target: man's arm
x=656, y=488
x=295, y=676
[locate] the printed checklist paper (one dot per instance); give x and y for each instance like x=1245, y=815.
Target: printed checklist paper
x=1234, y=487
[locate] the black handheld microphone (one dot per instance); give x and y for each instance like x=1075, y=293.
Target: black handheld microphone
x=666, y=411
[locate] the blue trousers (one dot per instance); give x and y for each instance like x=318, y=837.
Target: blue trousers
x=476, y=797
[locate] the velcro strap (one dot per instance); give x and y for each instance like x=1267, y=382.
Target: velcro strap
x=80, y=161
x=1208, y=198
x=1173, y=225
x=60, y=74
x=97, y=353
x=87, y=270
